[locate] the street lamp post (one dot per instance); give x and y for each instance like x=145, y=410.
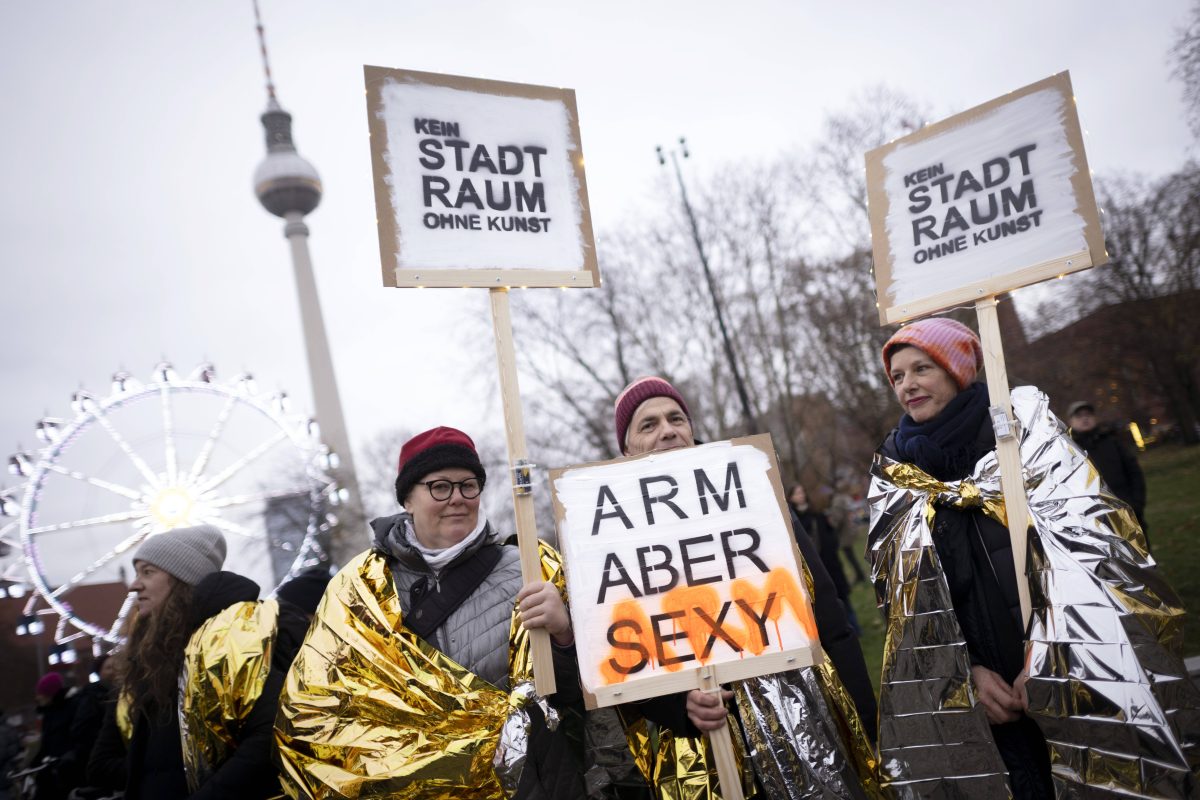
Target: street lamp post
x=743, y=396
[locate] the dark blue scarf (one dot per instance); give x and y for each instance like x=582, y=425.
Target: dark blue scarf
x=947, y=446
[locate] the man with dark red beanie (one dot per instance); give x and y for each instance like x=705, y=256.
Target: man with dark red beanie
x=431, y=690
x=651, y=415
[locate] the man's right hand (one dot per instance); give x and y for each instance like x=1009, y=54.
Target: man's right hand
x=1000, y=701
x=706, y=710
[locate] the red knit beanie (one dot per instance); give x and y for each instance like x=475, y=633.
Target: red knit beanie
x=637, y=393
x=438, y=448
x=49, y=684
x=953, y=346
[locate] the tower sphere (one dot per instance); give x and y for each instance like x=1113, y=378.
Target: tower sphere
x=284, y=182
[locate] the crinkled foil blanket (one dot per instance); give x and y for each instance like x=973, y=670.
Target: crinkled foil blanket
x=225, y=666
x=1107, y=684
x=370, y=710
x=801, y=740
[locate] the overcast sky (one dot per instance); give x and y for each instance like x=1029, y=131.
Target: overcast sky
x=129, y=231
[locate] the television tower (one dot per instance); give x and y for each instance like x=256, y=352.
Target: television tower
x=289, y=187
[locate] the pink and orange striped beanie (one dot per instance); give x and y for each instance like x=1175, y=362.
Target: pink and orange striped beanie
x=953, y=346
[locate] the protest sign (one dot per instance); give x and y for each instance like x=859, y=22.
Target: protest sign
x=681, y=568
x=478, y=182
x=986, y=201
x=981, y=203
x=481, y=183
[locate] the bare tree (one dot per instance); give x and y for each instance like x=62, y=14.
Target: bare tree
x=1186, y=55
x=787, y=240
x=1151, y=285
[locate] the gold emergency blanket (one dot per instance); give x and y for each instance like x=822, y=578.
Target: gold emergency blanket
x=225, y=666
x=802, y=739
x=370, y=710
x=1107, y=685
x=125, y=717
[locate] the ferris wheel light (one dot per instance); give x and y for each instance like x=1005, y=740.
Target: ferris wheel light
x=62, y=654
x=16, y=590
x=165, y=373
x=314, y=429
x=204, y=373
x=20, y=465
x=280, y=402
x=124, y=382
x=245, y=384
x=29, y=625
x=172, y=507
x=49, y=430
x=82, y=402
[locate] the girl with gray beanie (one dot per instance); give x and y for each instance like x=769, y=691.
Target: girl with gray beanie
x=146, y=758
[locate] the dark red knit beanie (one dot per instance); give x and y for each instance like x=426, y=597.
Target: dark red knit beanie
x=439, y=448
x=637, y=393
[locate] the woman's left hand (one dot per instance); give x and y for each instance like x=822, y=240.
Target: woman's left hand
x=542, y=607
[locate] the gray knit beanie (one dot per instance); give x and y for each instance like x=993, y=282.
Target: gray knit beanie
x=187, y=553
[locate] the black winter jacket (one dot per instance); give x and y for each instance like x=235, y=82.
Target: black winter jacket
x=819, y=529
x=152, y=768
x=1113, y=458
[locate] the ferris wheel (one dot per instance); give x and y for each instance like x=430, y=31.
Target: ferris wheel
x=151, y=457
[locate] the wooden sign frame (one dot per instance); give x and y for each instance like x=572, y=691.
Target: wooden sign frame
x=493, y=277
x=705, y=677
x=1093, y=254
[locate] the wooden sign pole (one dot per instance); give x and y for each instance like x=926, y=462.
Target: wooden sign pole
x=720, y=742
x=514, y=428
x=1008, y=449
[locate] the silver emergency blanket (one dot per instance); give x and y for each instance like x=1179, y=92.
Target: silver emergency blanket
x=1107, y=683
x=815, y=764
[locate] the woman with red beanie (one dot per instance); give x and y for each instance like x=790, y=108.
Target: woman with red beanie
x=994, y=690
x=415, y=678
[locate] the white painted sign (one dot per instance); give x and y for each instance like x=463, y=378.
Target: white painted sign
x=478, y=183
x=681, y=560
x=986, y=201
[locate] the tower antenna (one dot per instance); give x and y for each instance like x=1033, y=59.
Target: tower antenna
x=262, y=46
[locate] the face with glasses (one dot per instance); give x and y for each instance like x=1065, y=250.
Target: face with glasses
x=441, y=523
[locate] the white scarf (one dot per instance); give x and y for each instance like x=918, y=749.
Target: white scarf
x=438, y=559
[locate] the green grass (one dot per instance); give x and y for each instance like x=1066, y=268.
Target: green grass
x=1173, y=515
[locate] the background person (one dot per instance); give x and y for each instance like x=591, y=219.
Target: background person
x=92, y=703
x=1112, y=456
x=820, y=531
x=56, y=709
x=847, y=515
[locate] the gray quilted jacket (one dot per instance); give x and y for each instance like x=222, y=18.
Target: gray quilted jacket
x=476, y=633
